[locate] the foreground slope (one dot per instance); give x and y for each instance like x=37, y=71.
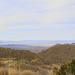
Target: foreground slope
x=59, y=54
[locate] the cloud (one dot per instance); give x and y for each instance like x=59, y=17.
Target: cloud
x=41, y=35
x=48, y=4
x=38, y=19
x=26, y=13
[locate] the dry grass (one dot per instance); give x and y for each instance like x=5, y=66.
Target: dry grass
x=50, y=72
x=29, y=72
x=10, y=71
x=13, y=71
x=4, y=71
x=21, y=68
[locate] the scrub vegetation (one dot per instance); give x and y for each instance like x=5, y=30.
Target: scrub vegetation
x=58, y=60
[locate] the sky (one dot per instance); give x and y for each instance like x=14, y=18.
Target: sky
x=37, y=20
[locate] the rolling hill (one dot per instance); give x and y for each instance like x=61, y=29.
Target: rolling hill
x=18, y=54
x=59, y=54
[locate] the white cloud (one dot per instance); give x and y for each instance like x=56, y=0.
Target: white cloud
x=17, y=11
x=19, y=14
x=58, y=3
x=43, y=35
x=42, y=27
x=49, y=4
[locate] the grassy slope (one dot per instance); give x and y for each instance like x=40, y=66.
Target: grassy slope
x=59, y=54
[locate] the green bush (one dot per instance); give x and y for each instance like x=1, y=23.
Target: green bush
x=66, y=69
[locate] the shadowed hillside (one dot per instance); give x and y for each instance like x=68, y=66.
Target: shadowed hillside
x=59, y=54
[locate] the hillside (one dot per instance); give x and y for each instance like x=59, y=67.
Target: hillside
x=59, y=54
x=18, y=54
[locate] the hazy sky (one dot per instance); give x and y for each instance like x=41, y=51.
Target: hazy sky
x=37, y=20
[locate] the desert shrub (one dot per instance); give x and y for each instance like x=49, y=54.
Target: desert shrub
x=1, y=64
x=43, y=72
x=19, y=65
x=66, y=69
x=36, y=62
x=18, y=61
x=22, y=66
x=36, y=69
x=47, y=67
x=39, y=70
x=28, y=72
x=4, y=59
x=13, y=72
x=3, y=71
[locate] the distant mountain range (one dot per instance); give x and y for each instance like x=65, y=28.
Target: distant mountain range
x=38, y=41
x=45, y=43
x=73, y=43
x=34, y=45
